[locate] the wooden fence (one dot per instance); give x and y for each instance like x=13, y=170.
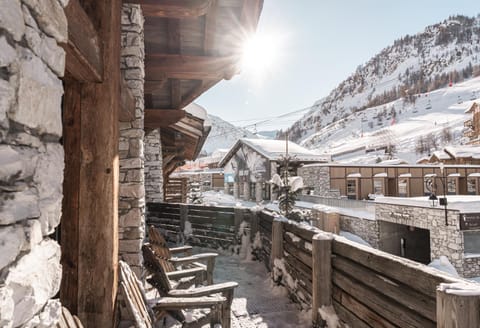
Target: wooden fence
x=205, y=226
x=176, y=190
x=365, y=286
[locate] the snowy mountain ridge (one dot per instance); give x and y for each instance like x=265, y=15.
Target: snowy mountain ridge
x=223, y=135
x=413, y=67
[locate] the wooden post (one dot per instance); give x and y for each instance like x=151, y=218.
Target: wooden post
x=321, y=274
x=254, y=225
x=183, y=219
x=277, y=241
x=457, y=308
x=331, y=222
x=238, y=219
x=91, y=277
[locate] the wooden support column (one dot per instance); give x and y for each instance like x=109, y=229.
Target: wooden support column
x=238, y=218
x=277, y=241
x=183, y=219
x=254, y=225
x=458, y=307
x=90, y=213
x=321, y=274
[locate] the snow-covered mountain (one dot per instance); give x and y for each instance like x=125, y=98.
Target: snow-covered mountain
x=408, y=81
x=223, y=135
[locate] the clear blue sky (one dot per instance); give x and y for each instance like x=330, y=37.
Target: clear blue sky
x=322, y=43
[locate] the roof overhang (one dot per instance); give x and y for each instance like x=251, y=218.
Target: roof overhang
x=190, y=45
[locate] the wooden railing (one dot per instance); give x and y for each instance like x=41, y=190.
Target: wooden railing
x=323, y=272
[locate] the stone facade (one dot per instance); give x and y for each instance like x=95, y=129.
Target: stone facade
x=318, y=179
x=31, y=160
x=153, y=167
x=444, y=240
x=131, y=205
x=367, y=229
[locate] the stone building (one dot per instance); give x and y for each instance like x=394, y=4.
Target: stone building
x=370, y=180
x=415, y=229
x=251, y=163
x=92, y=120
x=472, y=126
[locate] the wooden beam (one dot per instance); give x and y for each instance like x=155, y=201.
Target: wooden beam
x=195, y=93
x=173, y=34
x=189, y=67
x=175, y=93
x=210, y=29
x=250, y=15
x=173, y=8
x=83, y=51
x=70, y=206
x=99, y=175
x=154, y=86
x=187, y=130
x=162, y=118
x=127, y=103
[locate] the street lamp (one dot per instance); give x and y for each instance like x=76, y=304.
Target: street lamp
x=443, y=201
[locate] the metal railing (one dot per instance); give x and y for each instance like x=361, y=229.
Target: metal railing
x=341, y=202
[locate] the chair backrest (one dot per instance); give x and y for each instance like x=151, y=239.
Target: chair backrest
x=153, y=264
x=67, y=320
x=160, y=247
x=134, y=296
x=159, y=278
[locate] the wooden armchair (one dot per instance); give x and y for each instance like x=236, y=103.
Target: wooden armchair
x=197, y=264
x=141, y=315
x=161, y=282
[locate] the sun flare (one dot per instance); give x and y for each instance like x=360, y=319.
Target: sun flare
x=260, y=55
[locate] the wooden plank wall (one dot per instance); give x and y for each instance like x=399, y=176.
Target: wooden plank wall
x=297, y=250
x=265, y=220
x=176, y=190
x=211, y=226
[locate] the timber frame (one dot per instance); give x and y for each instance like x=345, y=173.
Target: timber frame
x=190, y=46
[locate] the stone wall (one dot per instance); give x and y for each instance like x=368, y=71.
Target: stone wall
x=131, y=205
x=317, y=178
x=153, y=167
x=444, y=240
x=31, y=160
x=367, y=229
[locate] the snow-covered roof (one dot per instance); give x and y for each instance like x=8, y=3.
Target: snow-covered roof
x=471, y=108
x=430, y=175
x=462, y=203
x=473, y=175
x=381, y=175
x=454, y=175
x=197, y=111
x=275, y=149
x=378, y=165
x=395, y=161
x=464, y=151
x=405, y=175
x=441, y=154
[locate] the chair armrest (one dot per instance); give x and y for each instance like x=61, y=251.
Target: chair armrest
x=175, y=275
x=181, y=249
x=204, y=290
x=193, y=258
x=176, y=303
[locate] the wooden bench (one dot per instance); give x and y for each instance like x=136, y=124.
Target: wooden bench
x=203, y=263
x=159, y=279
x=143, y=316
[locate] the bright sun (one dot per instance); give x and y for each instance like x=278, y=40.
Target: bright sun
x=260, y=55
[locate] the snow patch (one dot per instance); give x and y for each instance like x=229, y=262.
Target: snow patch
x=188, y=231
x=329, y=315
x=443, y=264
x=293, y=237
x=460, y=288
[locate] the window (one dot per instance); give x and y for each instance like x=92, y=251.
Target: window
x=428, y=185
x=352, y=189
x=378, y=186
x=472, y=242
x=452, y=186
x=252, y=190
x=265, y=191
x=471, y=186
x=403, y=187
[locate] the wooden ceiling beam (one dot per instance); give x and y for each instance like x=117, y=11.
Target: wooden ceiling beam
x=250, y=15
x=210, y=29
x=173, y=8
x=187, y=129
x=189, y=67
x=195, y=93
x=175, y=93
x=154, y=86
x=162, y=118
x=84, y=58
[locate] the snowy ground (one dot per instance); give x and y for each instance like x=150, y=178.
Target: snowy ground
x=258, y=301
